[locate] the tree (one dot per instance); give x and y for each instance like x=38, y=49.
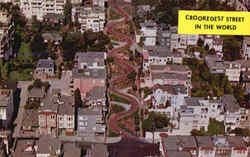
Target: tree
x=241, y=132
x=160, y=120
x=200, y=42
x=68, y=12
x=206, y=47
x=215, y=127
x=196, y=132
x=78, y=98
x=38, y=47
x=132, y=75
x=36, y=25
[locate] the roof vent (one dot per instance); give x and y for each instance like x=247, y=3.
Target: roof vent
x=41, y=104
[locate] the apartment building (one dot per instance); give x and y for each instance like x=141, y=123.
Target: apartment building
x=89, y=72
x=6, y=35
x=40, y=8
x=195, y=113
x=217, y=66
x=159, y=56
x=149, y=33
x=90, y=18
x=6, y=107
x=90, y=122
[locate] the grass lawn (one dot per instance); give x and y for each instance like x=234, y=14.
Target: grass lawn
x=25, y=53
x=116, y=108
x=21, y=76
x=118, y=98
x=112, y=133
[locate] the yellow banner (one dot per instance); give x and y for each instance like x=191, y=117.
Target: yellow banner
x=214, y=22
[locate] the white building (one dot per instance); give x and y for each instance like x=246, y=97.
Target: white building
x=181, y=41
x=39, y=8
x=160, y=56
x=217, y=66
x=214, y=42
x=246, y=47
x=90, y=18
x=168, y=98
x=196, y=112
x=149, y=33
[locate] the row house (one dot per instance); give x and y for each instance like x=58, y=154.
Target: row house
x=6, y=107
x=160, y=56
x=246, y=47
x=180, y=42
x=217, y=66
x=196, y=112
x=6, y=35
x=203, y=146
x=56, y=115
x=90, y=18
x=35, y=95
x=89, y=75
x=178, y=146
x=90, y=122
x=30, y=125
x=168, y=36
x=171, y=68
x=148, y=32
x=214, y=42
x=99, y=3
x=233, y=112
x=40, y=8
x=48, y=146
x=170, y=79
x=45, y=68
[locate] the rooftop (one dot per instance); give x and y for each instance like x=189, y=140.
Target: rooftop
x=204, y=141
x=230, y=103
x=66, y=106
x=45, y=63
x=173, y=143
x=90, y=58
x=4, y=97
x=52, y=36
x=71, y=150
x=95, y=93
x=179, y=154
x=172, y=67
x=173, y=89
x=169, y=76
x=37, y=92
x=47, y=145
x=89, y=73
x=86, y=111
x=30, y=118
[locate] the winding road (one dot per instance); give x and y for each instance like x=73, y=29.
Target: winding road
x=135, y=105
